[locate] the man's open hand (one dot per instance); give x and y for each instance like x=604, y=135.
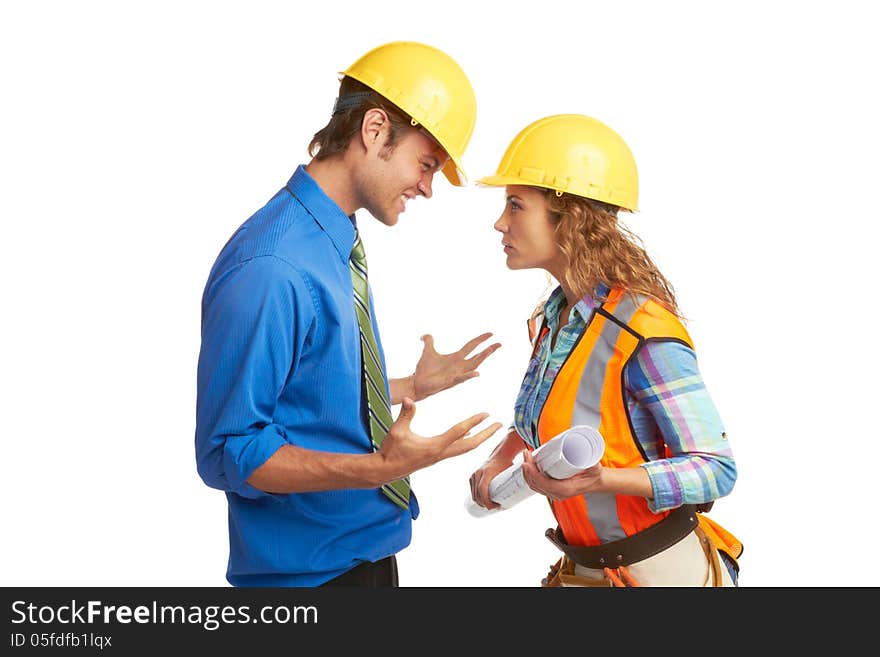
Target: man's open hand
x=436, y=372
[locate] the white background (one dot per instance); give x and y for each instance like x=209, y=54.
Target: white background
x=136, y=136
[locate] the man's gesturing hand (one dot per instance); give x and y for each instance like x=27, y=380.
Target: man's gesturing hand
x=404, y=452
x=436, y=372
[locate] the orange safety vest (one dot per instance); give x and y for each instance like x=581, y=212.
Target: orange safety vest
x=588, y=389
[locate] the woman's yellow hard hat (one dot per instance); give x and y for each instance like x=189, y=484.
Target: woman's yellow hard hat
x=572, y=154
x=431, y=87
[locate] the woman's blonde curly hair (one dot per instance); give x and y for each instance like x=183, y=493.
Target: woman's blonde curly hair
x=601, y=250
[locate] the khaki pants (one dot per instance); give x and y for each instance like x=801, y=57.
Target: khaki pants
x=693, y=561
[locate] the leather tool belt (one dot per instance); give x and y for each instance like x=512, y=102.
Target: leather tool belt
x=632, y=549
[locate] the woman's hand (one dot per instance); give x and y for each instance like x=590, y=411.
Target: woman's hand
x=499, y=460
x=480, y=482
x=590, y=480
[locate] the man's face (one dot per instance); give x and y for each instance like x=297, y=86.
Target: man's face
x=392, y=177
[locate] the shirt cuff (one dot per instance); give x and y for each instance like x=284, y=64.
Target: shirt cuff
x=667, y=490
x=244, y=454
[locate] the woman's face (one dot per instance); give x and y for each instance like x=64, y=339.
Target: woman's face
x=527, y=230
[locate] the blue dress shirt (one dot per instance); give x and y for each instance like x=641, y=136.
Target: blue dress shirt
x=280, y=364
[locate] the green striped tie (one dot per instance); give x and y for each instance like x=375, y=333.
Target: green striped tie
x=373, y=373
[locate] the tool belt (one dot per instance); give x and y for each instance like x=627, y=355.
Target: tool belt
x=632, y=549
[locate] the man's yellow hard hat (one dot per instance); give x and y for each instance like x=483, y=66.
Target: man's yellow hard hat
x=573, y=154
x=431, y=87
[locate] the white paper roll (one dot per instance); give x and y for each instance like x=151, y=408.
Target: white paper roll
x=572, y=451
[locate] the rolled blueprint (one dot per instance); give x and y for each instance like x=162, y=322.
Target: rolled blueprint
x=572, y=451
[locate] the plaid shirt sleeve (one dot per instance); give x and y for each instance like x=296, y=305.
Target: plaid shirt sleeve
x=670, y=405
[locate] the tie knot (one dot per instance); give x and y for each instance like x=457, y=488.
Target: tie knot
x=357, y=251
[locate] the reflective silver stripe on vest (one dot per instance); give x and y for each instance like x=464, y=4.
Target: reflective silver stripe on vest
x=602, y=507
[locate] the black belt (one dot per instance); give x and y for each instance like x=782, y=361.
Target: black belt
x=632, y=549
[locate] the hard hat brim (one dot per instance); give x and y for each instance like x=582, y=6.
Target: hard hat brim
x=454, y=173
x=504, y=181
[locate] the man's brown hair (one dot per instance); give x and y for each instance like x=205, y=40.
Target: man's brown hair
x=355, y=99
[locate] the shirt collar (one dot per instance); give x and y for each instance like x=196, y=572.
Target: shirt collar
x=583, y=308
x=324, y=210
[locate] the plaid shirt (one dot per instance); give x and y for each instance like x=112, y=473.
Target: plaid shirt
x=667, y=401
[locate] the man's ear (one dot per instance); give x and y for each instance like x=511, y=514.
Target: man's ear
x=374, y=128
